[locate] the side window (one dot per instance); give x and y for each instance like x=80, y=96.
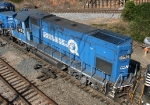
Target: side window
x=27, y=24
x=34, y=21
x=19, y=25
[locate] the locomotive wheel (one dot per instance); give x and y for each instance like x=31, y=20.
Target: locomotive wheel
x=27, y=48
x=1, y=44
x=70, y=71
x=1, y=32
x=33, y=50
x=4, y=32
x=95, y=86
x=84, y=80
x=75, y=74
x=20, y=42
x=11, y=38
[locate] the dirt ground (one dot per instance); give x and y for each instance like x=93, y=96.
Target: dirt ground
x=100, y=21
x=50, y=4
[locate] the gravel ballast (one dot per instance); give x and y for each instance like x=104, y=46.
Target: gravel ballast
x=87, y=16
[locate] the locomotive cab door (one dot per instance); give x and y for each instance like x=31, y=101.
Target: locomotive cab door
x=29, y=36
x=22, y=25
x=36, y=30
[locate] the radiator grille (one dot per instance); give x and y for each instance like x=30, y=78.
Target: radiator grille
x=108, y=38
x=104, y=66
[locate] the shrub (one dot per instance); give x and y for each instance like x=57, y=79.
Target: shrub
x=16, y=1
x=128, y=11
x=140, y=25
x=139, y=18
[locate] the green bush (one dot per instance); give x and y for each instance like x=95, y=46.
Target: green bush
x=16, y=1
x=128, y=11
x=140, y=26
x=139, y=18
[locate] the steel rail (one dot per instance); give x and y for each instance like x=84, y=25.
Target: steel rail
x=30, y=85
x=84, y=11
x=13, y=89
x=5, y=99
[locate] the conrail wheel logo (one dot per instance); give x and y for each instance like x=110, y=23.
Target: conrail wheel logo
x=71, y=44
x=73, y=47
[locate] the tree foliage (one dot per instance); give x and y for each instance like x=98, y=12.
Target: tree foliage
x=139, y=18
x=128, y=11
x=16, y=1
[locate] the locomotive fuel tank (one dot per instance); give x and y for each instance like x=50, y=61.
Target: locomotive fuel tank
x=50, y=60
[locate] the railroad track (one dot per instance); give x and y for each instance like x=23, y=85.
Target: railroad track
x=84, y=11
x=65, y=76
x=16, y=89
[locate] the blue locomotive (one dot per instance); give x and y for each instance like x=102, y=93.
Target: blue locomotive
x=7, y=22
x=7, y=14
x=99, y=58
x=6, y=6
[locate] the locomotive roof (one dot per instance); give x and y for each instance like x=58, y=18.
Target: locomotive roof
x=105, y=35
x=35, y=13
x=70, y=24
x=21, y=17
x=8, y=13
x=2, y=2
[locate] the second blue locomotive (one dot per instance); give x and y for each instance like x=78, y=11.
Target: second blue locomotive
x=7, y=14
x=6, y=6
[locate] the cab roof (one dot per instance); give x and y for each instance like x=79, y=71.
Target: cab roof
x=8, y=13
x=35, y=13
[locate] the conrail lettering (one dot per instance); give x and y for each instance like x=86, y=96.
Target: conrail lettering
x=71, y=44
x=55, y=39
x=124, y=67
